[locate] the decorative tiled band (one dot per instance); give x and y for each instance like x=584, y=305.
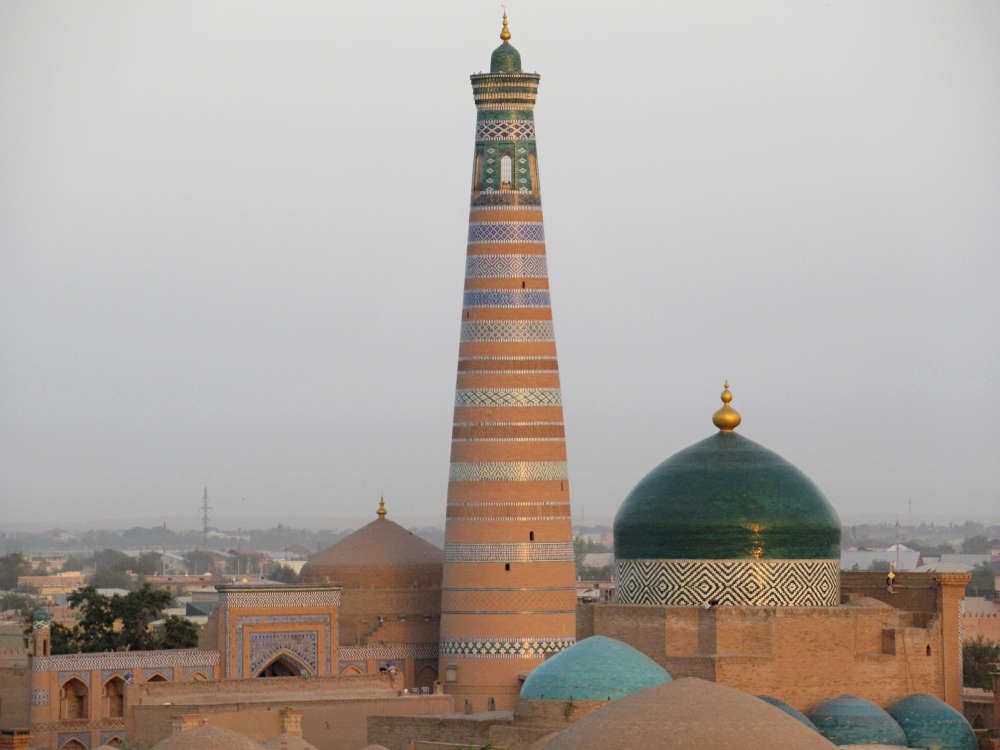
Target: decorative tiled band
x=508, y=611
x=508, y=424
x=743, y=582
x=481, y=397
x=505, y=648
x=508, y=471
x=505, y=130
x=240, y=597
x=507, y=298
x=505, y=266
x=505, y=552
x=507, y=231
x=388, y=651
x=504, y=503
x=507, y=330
x=178, y=657
x=508, y=439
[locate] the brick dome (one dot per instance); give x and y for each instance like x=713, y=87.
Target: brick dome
x=391, y=581
x=207, y=737
x=688, y=713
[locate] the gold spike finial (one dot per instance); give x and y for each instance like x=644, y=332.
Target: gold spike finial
x=727, y=418
x=505, y=32
x=381, y=512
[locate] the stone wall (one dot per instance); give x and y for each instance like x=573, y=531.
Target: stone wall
x=15, y=691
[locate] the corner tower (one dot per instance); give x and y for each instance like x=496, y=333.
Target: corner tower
x=508, y=595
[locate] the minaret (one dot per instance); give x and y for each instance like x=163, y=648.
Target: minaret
x=509, y=598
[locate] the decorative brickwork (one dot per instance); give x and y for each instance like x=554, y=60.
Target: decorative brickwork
x=506, y=266
x=508, y=471
x=506, y=330
x=505, y=130
x=39, y=697
x=505, y=648
x=511, y=231
x=481, y=397
x=242, y=598
x=508, y=552
x=507, y=298
x=82, y=737
x=742, y=582
x=388, y=651
x=119, y=660
x=266, y=646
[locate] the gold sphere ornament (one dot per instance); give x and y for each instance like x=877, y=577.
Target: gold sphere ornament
x=505, y=32
x=727, y=418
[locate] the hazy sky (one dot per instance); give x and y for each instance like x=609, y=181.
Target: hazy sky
x=233, y=239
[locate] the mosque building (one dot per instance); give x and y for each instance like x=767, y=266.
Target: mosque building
x=733, y=626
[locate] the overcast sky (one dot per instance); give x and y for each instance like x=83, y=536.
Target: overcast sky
x=233, y=240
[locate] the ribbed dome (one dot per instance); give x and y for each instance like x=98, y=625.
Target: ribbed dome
x=788, y=710
x=723, y=498
x=595, y=669
x=688, y=713
x=379, y=545
x=505, y=59
x=207, y=737
x=931, y=723
x=849, y=720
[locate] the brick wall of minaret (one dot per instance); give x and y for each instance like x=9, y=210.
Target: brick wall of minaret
x=508, y=596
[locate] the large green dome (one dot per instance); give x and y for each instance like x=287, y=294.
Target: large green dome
x=505, y=59
x=726, y=497
x=931, y=723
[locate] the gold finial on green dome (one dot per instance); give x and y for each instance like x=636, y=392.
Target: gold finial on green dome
x=505, y=33
x=381, y=512
x=727, y=418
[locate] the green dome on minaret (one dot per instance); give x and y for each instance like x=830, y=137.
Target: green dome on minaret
x=727, y=520
x=505, y=59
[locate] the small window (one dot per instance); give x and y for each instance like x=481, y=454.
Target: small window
x=506, y=566
x=531, y=536
x=928, y=649
x=506, y=171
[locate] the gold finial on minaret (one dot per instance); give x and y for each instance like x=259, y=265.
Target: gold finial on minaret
x=727, y=418
x=381, y=512
x=505, y=33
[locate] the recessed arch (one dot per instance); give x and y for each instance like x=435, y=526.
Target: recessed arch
x=114, y=697
x=157, y=678
x=197, y=676
x=284, y=664
x=73, y=744
x=426, y=676
x=74, y=699
x=351, y=670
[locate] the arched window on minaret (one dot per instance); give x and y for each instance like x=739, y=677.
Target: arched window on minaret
x=506, y=172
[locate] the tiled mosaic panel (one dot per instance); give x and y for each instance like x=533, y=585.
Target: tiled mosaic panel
x=124, y=660
x=508, y=231
x=505, y=648
x=505, y=266
x=326, y=621
x=39, y=697
x=108, y=737
x=507, y=298
x=481, y=397
x=753, y=583
x=505, y=130
x=506, y=330
x=505, y=552
x=388, y=651
x=280, y=598
x=265, y=646
x=508, y=471
x=82, y=737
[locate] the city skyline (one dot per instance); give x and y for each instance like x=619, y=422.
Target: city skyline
x=226, y=264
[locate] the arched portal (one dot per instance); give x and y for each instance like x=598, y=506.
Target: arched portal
x=73, y=702
x=284, y=665
x=114, y=696
x=426, y=676
x=157, y=678
x=73, y=744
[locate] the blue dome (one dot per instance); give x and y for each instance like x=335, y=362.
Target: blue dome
x=931, y=723
x=594, y=669
x=849, y=720
x=788, y=710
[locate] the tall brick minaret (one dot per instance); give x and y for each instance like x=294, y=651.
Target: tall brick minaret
x=508, y=591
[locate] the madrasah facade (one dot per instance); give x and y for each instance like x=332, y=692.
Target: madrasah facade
x=727, y=566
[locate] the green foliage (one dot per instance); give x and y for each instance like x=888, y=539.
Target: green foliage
x=112, y=559
x=117, y=623
x=928, y=549
x=200, y=561
x=982, y=582
x=979, y=658
x=282, y=573
x=148, y=563
x=12, y=566
x=75, y=562
x=15, y=600
x=177, y=633
x=110, y=579
x=976, y=545
x=879, y=565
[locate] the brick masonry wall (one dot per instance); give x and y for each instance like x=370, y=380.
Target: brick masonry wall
x=396, y=732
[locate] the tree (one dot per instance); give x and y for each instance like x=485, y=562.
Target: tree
x=148, y=563
x=12, y=566
x=979, y=658
x=112, y=559
x=110, y=579
x=116, y=623
x=75, y=562
x=200, y=561
x=880, y=565
x=976, y=545
x=982, y=582
x=282, y=573
x=177, y=632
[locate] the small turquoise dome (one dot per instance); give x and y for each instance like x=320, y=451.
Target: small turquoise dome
x=932, y=724
x=723, y=498
x=505, y=59
x=788, y=710
x=594, y=669
x=849, y=720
